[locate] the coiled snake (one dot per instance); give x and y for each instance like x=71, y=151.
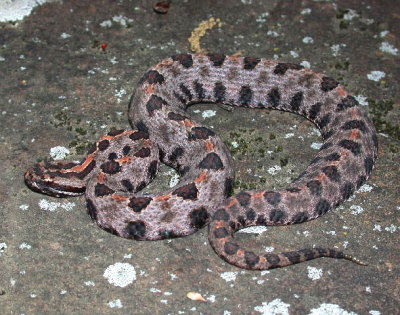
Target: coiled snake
x=123, y=162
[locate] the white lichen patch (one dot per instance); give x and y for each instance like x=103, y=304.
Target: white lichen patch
x=335, y=49
x=362, y=100
x=59, y=152
x=356, y=210
x=90, y=284
x=24, y=207
x=392, y=228
x=3, y=247
x=376, y=75
x=274, y=170
x=351, y=14
x=331, y=309
x=377, y=227
x=120, y=274
x=289, y=135
x=314, y=273
x=388, y=48
x=229, y=276
x=25, y=246
x=115, y=304
x=305, y=64
x=65, y=35
x=316, y=145
x=275, y=307
x=208, y=113
x=294, y=54
x=53, y=206
x=118, y=19
x=308, y=40
x=119, y=94
x=254, y=229
x=305, y=11
x=365, y=188
x=15, y=10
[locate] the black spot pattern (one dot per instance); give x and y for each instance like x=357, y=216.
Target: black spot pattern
x=211, y=162
x=92, y=211
x=137, y=204
x=142, y=127
x=322, y=206
x=139, y=135
x=221, y=232
x=332, y=172
x=185, y=60
x=315, y=187
x=293, y=189
x=273, y=260
x=351, y=145
x=300, y=217
x=346, y=103
x=111, y=167
x=136, y=229
x=249, y=63
x=328, y=84
x=281, y=68
x=126, y=150
x=296, y=101
x=274, y=97
x=152, y=77
x=188, y=191
x=127, y=184
x=221, y=215
x=245, y=95
x=114, y=133
x=199, y=217
x=152, y=170
x=231, y=248
x=347, y=190
x=219, y=92
x=277, y=215
x=355, y=124
x=198, y=88
x=154, y=103
x=176, y=117
x=216, y=59
x=251, y=258
x=324, y=121
x=176, y=154
x=261, y=220
x=333, y=157
x=112, y=156
x=251, y=215
x=103, y=144
x=143, y=153
x=243, y=198
x=368, y=164
x=273, y=198
x=200, y=133
x=314, y=111
x=228, y=187
x=186, y=91
x=101, y=190
x=293, y=257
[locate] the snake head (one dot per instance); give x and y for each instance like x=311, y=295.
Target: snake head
x=58, y=179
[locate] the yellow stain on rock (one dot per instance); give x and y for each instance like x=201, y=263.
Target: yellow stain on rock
x=200, y=31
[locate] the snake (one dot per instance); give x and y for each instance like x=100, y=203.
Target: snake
x=123, y=162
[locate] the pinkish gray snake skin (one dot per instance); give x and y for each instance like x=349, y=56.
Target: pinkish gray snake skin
x=123, y=162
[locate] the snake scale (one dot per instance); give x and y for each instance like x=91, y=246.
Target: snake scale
x=123, y=162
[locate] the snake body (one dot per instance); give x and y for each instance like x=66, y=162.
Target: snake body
x=123, y=162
